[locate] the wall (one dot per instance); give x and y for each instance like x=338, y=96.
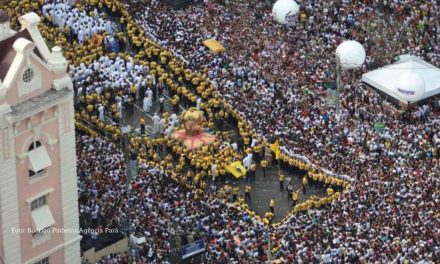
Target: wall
x=118, y=247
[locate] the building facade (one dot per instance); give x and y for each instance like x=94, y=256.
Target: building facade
x=38, y=185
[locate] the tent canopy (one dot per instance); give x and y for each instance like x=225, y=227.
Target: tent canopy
x=213, y=45
x=385, y=78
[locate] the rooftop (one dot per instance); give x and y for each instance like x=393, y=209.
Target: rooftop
x=22, y=109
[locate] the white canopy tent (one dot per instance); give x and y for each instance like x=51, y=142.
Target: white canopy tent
x=385, y=79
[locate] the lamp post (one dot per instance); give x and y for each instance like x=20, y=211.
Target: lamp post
x=350, y=54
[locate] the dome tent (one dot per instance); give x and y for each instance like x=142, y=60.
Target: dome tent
x=393, y=80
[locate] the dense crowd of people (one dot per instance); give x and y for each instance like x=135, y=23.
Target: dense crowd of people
x=100, y=182
x=396, y=157
x=283, y=73
x=390, y=215
x=77, y=24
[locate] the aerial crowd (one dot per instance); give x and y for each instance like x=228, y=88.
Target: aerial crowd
x=273, y=81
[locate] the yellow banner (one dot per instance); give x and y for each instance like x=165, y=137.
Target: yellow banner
x=213, y=45
x=237, y=169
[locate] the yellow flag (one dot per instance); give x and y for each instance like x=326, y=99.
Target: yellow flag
x=237, y=169
x=275, y=147
x=214, y=46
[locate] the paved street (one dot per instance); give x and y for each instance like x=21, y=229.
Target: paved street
x=263, y=189
x=266, y=188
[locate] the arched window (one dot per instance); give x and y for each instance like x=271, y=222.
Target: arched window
x=34, y=145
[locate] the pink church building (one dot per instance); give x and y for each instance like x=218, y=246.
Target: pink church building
x=38, y=185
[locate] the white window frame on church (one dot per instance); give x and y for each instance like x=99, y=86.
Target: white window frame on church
x=28, y=76
x=34, y=83
x=42, y=218
x=43, y=261
x=42, y=158
x=39, y=202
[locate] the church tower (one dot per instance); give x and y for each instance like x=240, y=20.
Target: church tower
x=38, y=185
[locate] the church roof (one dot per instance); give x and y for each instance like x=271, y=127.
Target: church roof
x=7, y=51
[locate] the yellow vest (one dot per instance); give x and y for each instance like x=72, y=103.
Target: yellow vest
x=272, y=203
x=330, y=191
x=295, y=196
x=305, y=181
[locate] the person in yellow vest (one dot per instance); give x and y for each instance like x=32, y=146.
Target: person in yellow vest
x=295, y=197
x=263, y=164
x=235, y=192
x=272, y=205
x=305, y=182
x=246, y=141
x=197, y=179
x=309, y=203
x=142, y=124
x=227, y=189
x=90, y=107
x=281, y=179
x=247, y=193
x=303, y=18
x=252, y=172
x=175, y=103
x=330, y=191
x=241, y=201
x=268, y=216
x=203, y=185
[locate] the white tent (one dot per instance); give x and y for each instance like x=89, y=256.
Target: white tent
x=384, y=79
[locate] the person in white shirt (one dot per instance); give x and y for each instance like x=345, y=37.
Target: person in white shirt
x=101, y=112
x=108, y=27
x=198, y=103
x=119, y=105
x=247, y=161
x=161, y=126
x=146, y=104
x=156, y=123
x=169, y=130
x=81, y=36
x=175, y=119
